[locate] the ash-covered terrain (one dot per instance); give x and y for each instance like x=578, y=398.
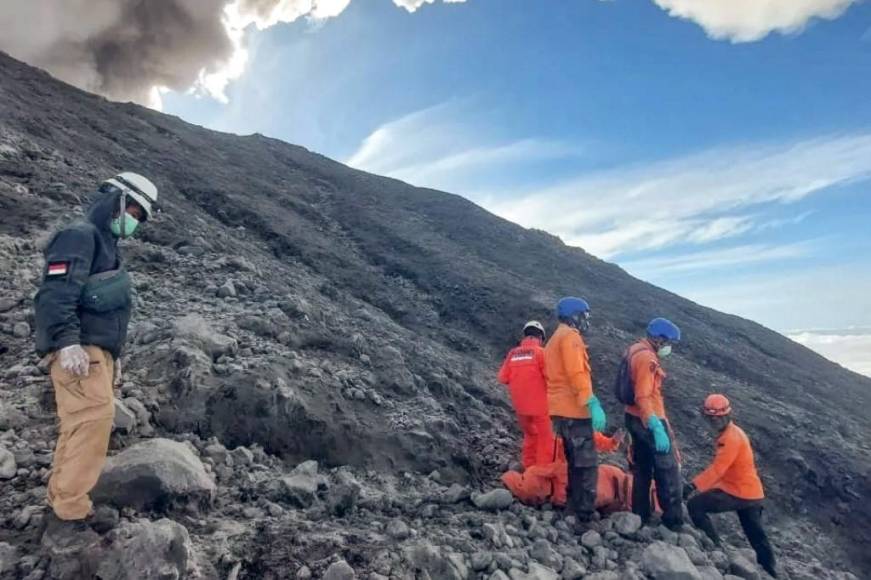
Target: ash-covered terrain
x=309, y=385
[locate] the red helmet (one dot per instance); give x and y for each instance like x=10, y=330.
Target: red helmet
x=717, y=406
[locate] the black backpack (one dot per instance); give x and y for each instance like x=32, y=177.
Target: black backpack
x=624, y=388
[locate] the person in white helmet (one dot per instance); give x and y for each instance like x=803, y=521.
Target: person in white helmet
x=524, y=373
x=82, y=310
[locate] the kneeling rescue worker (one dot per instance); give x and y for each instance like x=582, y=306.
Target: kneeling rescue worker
x=730, y=483
x=639, y=387
x=574, y=409
x=82, y=310
x=523, y=371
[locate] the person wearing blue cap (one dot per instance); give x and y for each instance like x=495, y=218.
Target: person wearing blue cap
x=653, y=455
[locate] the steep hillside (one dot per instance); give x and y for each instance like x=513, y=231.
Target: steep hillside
x=288, y=302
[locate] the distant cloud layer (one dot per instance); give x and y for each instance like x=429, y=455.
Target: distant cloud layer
x=133, y=50
x=749, y=20
x=850, y=347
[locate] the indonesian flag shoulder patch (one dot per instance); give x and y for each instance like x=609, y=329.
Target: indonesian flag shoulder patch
x=58, y=268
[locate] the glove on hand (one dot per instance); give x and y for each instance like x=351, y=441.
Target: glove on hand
x=75, y=360
x=597, y=413
x=688, y=489
x=117, y=380
x=660, y=437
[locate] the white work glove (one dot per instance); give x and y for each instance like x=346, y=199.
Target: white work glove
x=75, y=360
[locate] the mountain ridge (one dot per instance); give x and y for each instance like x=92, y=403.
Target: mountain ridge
x=345, y=267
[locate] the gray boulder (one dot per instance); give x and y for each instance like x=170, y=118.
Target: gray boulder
x=497, y=499
x=667, y=562
x=146, y=551
x=710, y=573
x=572, y=570
x=399, y=530
x=8, y=558
x=195, y=330
x=591, y=539
x=8, y=465
x=432, y=563
x=740, y=565
x=301, y=486
x=340, y=570
x=543, y=552
x=536, y=571
x=626, y=523
x=125, y=419
x=343, y=495
x=154, y=474
x=455, y=494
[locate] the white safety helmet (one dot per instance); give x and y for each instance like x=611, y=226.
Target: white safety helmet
x=136, y=187
x=537, y=325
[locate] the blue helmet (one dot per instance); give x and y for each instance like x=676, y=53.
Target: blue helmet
x=574, y=309
x=663, y=328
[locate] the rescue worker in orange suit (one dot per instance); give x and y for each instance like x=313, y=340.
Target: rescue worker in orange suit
x=523, y=371
x=730, y=483
x=574, y=409
x=547, y=483
x=82, y=310
x=654, y=456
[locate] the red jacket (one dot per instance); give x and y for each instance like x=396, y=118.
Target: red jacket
x=523, y=372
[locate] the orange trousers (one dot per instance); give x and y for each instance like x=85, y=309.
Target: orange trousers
x=538, y=440
x=86, y=409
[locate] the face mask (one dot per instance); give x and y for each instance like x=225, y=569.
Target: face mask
x=130, y=225
x=664, y=350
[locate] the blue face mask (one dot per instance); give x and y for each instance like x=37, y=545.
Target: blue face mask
x=664, y=350
x=130, y=225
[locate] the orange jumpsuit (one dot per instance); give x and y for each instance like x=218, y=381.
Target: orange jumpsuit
x=569, y=380
x=547, y=483
x=733, y=469
x=524, y=373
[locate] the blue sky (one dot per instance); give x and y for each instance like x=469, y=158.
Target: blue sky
x=710, y=156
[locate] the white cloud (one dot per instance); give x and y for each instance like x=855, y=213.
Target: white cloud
x=737, y=256
x=787, y=298
x=438, y=147
x=849, y=347
x=749, y=20
x=689, y=199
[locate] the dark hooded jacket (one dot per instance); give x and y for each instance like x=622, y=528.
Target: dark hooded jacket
x=73, y=255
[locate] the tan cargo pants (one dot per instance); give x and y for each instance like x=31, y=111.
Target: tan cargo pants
x=86, y=409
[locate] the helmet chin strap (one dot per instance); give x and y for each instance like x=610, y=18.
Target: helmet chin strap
x=121, y=217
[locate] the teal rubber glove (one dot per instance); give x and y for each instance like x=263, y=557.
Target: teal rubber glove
x=597, y=413
x=660, y=435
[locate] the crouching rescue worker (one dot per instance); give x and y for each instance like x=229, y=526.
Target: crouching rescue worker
x=82, y=310
x=523, y=372
x=653, y=454
x=730, y=483
x=574, y=409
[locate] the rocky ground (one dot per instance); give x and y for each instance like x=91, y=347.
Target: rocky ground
x=309, y=383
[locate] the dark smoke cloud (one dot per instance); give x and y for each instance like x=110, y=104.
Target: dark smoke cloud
x=122, y=49
x=127, y=49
